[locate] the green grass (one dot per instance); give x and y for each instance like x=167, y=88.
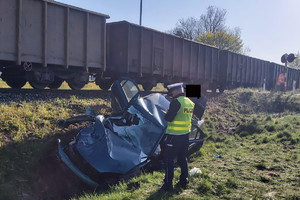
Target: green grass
x=259, y=148
x=257, y=134
x=27, y=131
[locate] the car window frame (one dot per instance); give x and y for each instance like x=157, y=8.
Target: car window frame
x=120, y=95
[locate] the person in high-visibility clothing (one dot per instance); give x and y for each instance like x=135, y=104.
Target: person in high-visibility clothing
x=281, y=81
x=179, y=117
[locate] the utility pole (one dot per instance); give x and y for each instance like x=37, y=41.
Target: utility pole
x=141, y=10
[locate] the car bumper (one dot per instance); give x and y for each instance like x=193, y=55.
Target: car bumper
x=66, y=160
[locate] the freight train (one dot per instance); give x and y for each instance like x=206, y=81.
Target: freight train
x=46, y=42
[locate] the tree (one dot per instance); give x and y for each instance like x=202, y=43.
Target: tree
x=210, y=29
x=187, y=28
x=296, y=62
x=223, y=39
x=213, y=20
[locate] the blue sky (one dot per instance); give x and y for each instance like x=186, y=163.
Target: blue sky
x=269, y=28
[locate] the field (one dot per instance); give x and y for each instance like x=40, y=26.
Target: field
x=256, y=133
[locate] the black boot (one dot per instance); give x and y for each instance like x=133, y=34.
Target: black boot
x=166, y=188
x=183, y=183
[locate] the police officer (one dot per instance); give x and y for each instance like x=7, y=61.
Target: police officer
x=179, y=117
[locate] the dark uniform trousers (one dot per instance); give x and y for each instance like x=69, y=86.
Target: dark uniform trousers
x=176, y=146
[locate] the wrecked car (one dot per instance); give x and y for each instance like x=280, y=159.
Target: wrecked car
x=117, y=146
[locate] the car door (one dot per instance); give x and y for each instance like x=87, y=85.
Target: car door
x=123, y=92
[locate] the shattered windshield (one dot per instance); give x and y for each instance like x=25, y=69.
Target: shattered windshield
x=129, y=88
x=142, y=136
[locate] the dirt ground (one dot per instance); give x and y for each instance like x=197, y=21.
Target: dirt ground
x=54, y=181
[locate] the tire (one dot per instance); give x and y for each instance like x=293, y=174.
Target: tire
x=16, y=82
x=194, y=148
x=56, y=83
x=75, y=85
x=221, y=89
x=147, y=87
x=36, y=84
x=105, y=84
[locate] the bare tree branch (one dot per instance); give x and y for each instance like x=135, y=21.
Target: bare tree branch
x=210, y=29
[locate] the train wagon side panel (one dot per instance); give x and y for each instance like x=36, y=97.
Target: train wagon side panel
x=239, y=69
x=293, y=75
x=201, y=62
x=208, y=63
x=56, y=35
x=96, y=44
x=298, y=79
x=8, y=30
x=215, y=65
x=51, y=33
x=274, y=74
x=248, y=70
x=223, y=69
x=258, y=72
x=186, y=59
x=134, y=49
x=194, y=57
x=117, y=48
x=178, y=53
x=148, y=52
x=243, y=70
x=168, y=56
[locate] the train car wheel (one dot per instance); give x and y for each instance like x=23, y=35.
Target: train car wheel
x=147, y=86
x=221, y=89
x=105, y=85
x=16, y=82
x=37, y=85
x=75, y=85
x=56, y=83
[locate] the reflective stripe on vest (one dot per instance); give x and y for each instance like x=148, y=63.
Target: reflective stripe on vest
x=182, y=122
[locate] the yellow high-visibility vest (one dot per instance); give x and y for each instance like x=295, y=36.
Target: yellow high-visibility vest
x=182, y=122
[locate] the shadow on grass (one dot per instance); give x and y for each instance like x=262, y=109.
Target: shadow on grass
x=161, y=194
x=31, y=170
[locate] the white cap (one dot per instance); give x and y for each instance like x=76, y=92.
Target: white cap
x=174, y=86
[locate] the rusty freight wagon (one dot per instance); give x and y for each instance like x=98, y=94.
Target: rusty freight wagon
x=150, y=56
x=45, y=43
x=293, y=75
x=243, y=71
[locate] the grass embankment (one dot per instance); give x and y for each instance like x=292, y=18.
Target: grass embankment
x=27, y=131
x=256, y=133
x=258, y=136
